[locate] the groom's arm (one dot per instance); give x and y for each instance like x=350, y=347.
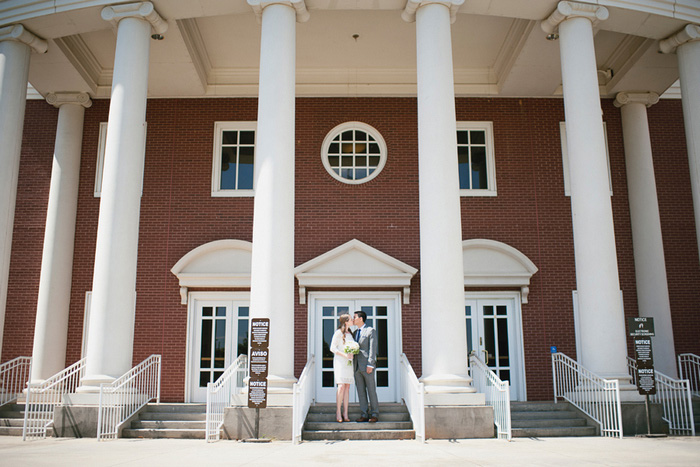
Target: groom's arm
x=372, y=357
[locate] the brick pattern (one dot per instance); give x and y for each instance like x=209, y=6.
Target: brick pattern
x=178, y=214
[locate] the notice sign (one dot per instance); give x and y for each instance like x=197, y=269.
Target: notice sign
x=639, y=327
x=258, y=362
x=646, y=380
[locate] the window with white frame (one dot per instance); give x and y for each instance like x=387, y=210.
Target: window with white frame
x=233, y=167
x=354, y=152
x=565, y=157
x=475, y=153
x=101, y=145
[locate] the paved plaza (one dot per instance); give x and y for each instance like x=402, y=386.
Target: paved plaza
x=521, y=451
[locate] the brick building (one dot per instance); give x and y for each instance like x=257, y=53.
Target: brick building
x=156, y=203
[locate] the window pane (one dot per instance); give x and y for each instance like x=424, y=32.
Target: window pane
x=382, y=344
x=368, y=309
x=334, y=161
x=205, y=360
x=207, y=311
x=220, y=344
x=243, y=311
x=360, y=148
x=204, y=378
x=334, y=148
x=229, y=137
x=327, y=311
x=228, y=168
x=245, y=168
x=242, y=340
x=374, y=148
x=360, y=135
x=479, y=178
x=360, y=173
x=347, y=161
x=328, y=379
x=347, y=148
x=470, y=345
x=462, y=137
x=382, y=379
x=478, y=137
x=247, y=137
x=347, y=135
x=374, y=161
x=488, y=310
x=347, y=173
x=490, y=341
x=503, y=351
x=217, y=375
x=220, y=311
x=360, y=161
x=381, y=311
x=463, y=171
x=328, y=330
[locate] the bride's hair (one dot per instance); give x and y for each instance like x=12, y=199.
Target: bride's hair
x=342, y=321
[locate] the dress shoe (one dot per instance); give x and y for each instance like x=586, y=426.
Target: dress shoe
x=373, y=420
x=362, y=420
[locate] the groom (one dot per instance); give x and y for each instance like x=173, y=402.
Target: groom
x=365, y=362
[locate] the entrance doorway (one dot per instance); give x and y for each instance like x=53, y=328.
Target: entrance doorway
x=382, y=314
x=494, y=333
x=218, y=335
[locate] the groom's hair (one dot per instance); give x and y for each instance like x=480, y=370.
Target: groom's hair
x=362, y=315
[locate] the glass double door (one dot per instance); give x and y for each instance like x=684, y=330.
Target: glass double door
x=380, y=316
x=492, y=335
x=220, y=336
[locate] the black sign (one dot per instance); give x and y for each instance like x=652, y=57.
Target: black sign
x=646, y=379
x=639, y=327
x=258, y=362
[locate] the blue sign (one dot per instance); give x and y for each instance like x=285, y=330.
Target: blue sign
x=553, y=349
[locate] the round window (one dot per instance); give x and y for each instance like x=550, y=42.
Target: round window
x=354, y=152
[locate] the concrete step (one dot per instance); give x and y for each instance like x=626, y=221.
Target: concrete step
x=540, y=414
x=169, y=424
x=10, y=431
x=165, y=416
x=160, y=433
x=176, y=408
x=553, y=432
x=383, y=416
x=355, y=408
x=548, y=423
x=336, y=435
x=353, y=426
x=12, y=422
x=539, y=407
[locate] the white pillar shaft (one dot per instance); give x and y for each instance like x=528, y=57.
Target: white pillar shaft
x=111, y=330
x=442, y=272
x=53, y=305
x=689, y=70
x=601, y=316
x=14, y=69
x=649, y=261
x=272, y=270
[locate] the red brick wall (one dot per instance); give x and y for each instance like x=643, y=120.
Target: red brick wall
x=178, y=214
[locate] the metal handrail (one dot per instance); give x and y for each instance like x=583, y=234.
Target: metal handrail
x=497, y=394
x=44, y=397
x=126, y=395
x=302, y=397
x=674, y=396
x=14, y=376
x=413, y=394
x=689, y=368
x=219, y=395
x=597, y=397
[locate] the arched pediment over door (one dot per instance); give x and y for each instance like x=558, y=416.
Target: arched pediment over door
x=217, y=264
x=488, y=263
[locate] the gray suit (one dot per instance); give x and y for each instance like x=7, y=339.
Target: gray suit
x=366, y=384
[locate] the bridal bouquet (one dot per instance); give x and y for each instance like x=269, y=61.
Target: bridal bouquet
x=352, y=348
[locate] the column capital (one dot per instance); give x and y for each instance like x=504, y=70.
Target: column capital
x=78, y=98
x=299, y=6
x=646, y=98
x=409, y=12
x=19, y=33
x=143, y=10
x=566, y=10
x=691, y=32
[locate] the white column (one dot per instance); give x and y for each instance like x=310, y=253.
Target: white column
x=601, y=317
x=686, y=44
x=272, y=268
x=444, y=347
x=16, y=44
x=111, y=334
x=53, y=304
x=649, y=261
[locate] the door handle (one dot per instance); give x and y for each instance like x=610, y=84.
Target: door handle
x=487, y=356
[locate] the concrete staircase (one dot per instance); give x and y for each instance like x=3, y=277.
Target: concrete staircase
x=11, y=419
x=547, y=419
x=394, y=423
x=169, y=421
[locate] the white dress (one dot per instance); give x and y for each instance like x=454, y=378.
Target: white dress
x=343, y=372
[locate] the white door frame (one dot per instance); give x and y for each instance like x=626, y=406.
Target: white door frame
x=519, y=360
x=192, y=299
x=313, y=297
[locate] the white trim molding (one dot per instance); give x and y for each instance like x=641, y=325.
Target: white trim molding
x=19, y=33
x=566, y=10
x=409, y=12
x=691, y=32
x=143, y=10
x=353, y=265
x=221, y=263
x=488, y=263
x=299, y=6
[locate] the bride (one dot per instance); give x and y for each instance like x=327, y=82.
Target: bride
x=343, y=369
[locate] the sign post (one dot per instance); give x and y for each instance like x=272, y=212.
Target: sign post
x=642, y=329
x=257, y=370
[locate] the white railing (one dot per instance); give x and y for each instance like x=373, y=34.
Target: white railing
x=14, y=375
x=413, y=394
x=43, y=398
x=674, y=396
x=219, y=395
x=303, y=396
x=124, y=397
x=689, y=368
x=497, y=394
x=596, y=397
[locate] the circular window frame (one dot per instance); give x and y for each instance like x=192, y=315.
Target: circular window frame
x=339, y=129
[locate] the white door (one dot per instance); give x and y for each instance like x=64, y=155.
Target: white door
x=493, y=334
x=219, y=336
x=381, y=315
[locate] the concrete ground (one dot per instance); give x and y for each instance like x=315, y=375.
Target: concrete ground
x=521, y=451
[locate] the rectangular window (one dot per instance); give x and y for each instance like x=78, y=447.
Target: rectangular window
x=233, y=167
x=476, y=161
